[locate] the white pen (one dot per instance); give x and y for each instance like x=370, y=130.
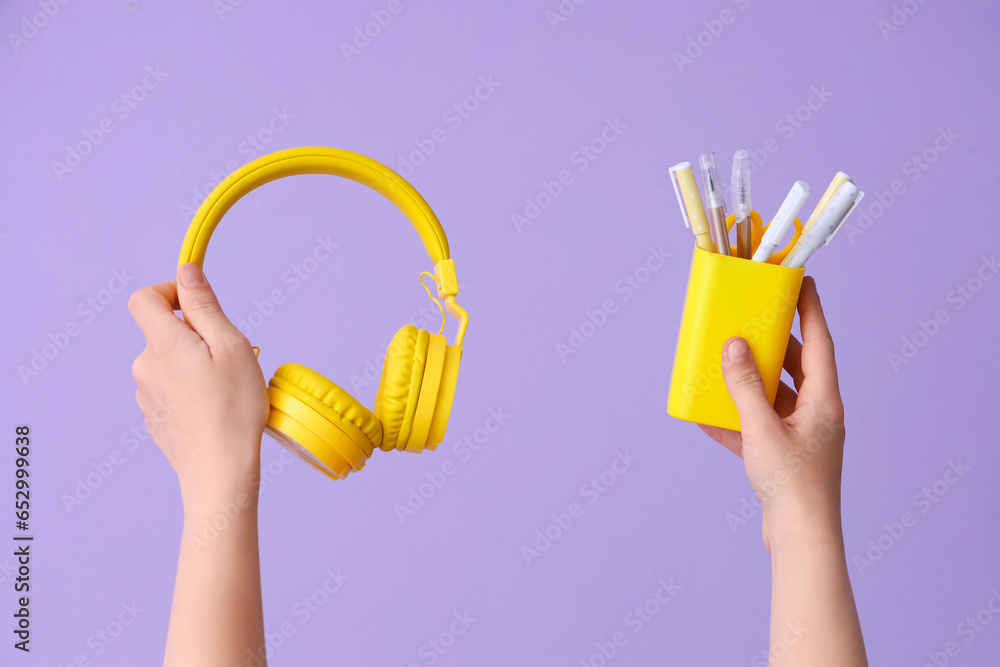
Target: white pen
x=783, y=220
x=826, y=225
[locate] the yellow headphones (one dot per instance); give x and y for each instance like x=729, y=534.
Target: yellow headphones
x=311, y=416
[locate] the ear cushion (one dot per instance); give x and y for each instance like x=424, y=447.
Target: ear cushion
x=399, y=386
x=329, y=400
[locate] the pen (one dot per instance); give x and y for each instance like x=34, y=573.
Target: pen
x=823, y=202
x=783, y=220
x=826, y=224
x=692, y=209
x=741, y=204
x=716, y=201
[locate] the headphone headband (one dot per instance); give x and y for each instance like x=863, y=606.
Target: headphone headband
x=314, y=160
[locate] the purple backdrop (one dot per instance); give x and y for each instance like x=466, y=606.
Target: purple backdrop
x=115, y=117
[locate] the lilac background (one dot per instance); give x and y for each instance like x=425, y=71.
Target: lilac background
x=666, y=517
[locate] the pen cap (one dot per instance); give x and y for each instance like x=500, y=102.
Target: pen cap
x=681, y=167
x=741, y=184
x=711, y=181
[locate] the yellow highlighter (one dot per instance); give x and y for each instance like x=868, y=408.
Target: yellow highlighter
x=824, y=201
x=691, y=205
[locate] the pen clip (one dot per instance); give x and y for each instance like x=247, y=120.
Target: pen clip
x=680, y=199
x=843, y=219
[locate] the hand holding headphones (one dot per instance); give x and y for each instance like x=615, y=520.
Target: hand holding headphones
x=311, y=416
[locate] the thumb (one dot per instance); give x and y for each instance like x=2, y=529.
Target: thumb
x=746, y=386
x=200, y=306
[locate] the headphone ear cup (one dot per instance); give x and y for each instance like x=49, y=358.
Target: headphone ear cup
x=399, y=386
x=320, y=422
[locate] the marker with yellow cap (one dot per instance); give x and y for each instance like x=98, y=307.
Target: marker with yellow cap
x=692, y=208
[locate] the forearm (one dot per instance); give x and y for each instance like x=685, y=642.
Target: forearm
x=814, y=620
x=217, y=615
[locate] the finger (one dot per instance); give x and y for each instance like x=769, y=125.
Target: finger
x=747, y=387
x=731, y=440
x=819, y=367
x=201, y=307
x=793, y=360
x=784, y=400
x=152, y=308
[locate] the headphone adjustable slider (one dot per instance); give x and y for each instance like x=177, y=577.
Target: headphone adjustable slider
x=447, y=280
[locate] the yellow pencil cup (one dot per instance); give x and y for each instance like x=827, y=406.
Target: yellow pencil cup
x=726, y=297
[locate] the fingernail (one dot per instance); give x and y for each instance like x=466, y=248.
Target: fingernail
x=191, y=275
x=738, y=350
